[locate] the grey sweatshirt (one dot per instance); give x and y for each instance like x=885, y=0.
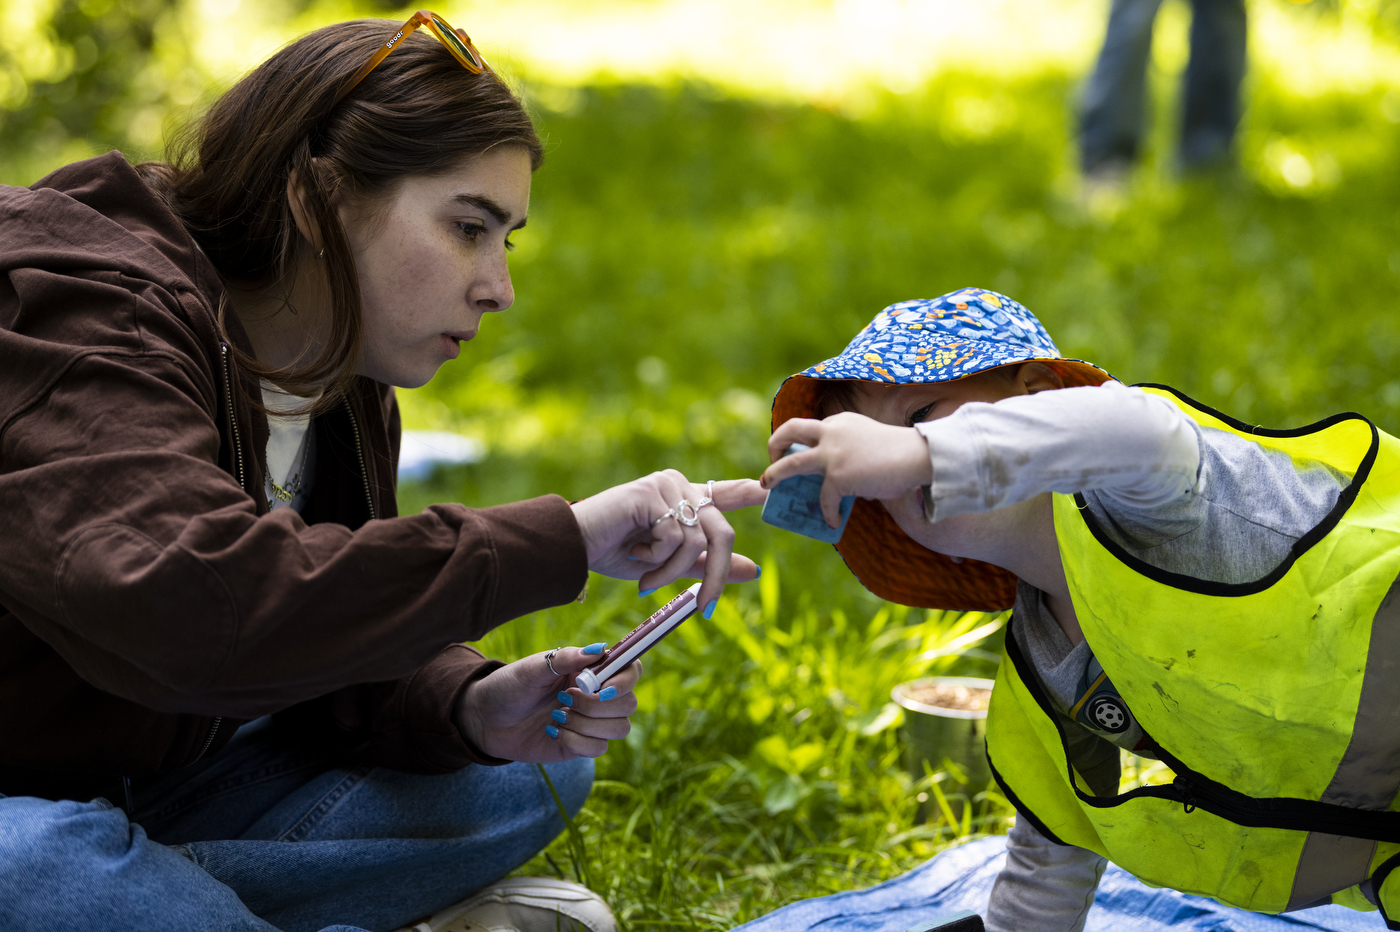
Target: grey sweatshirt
x=1184, y=498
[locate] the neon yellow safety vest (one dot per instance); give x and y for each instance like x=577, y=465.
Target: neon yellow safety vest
x=1275, y=703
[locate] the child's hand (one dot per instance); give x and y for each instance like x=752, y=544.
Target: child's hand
x=858, y=455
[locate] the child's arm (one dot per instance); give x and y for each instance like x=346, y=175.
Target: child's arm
x=1120, y=441
x=987, y=456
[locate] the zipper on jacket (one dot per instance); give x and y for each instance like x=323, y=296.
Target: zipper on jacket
x=238, y=464
x=209, y=738
x=360, y=452
x=232, y=420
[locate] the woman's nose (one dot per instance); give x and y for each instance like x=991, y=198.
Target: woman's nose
x=493, y=290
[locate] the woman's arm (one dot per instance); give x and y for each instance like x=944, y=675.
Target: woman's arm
x=131, y=552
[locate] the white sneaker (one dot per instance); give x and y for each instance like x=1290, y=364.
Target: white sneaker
x=525, y=904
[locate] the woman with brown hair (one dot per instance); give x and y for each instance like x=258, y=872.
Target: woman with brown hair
x=232, y=689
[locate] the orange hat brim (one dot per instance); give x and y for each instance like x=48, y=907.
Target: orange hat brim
x=889, y=562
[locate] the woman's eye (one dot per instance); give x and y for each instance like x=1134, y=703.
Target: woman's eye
x=920, y=415
x=475, y=231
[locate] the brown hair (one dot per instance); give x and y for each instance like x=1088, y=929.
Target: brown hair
x=418, y=113
x=834, y=396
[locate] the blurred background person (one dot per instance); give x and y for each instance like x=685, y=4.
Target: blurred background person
x=1112, y=119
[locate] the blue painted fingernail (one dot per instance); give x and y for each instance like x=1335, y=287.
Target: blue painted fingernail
x=630, y=557
x=597, y=648
x=709, y=609
x=757, y=572
x=646, y=592
x=560, y=716
x=609, y=692
x=551, y=731
x=566, y=699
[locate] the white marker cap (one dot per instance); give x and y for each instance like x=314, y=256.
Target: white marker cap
x=587, y=681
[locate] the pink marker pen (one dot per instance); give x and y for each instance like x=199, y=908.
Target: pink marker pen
x=646, y=634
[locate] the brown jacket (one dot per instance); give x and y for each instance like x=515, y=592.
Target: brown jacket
x=149, y=601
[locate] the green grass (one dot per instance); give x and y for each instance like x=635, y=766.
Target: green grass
x=686, y=251
x=764, y=764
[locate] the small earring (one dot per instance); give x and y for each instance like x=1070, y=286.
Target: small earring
x=322, y=253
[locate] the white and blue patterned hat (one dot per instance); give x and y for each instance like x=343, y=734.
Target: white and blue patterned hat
x=942, y=339
x=929, y=340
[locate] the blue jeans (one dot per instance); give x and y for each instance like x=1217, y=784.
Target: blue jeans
x=266, y=837
x=1111, y=125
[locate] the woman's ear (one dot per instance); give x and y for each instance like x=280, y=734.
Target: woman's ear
x=1038, y=377
x=301, y=213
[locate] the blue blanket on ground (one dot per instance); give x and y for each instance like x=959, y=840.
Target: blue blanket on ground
x=962, y=879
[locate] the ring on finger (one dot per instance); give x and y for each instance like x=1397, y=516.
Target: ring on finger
x=709, y=498
x=549, y=660
x=671, y=513
x=687, y=513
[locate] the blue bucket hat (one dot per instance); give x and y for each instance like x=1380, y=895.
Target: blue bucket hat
x=928, y=340
x=947, y=338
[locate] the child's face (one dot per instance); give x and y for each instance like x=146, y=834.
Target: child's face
x=907, y=405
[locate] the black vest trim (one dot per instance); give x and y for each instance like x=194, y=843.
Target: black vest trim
x=1374, y=884
x=1300, y=547
x=1021, y=808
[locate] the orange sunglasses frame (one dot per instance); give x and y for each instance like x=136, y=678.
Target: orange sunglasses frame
x=455, y=40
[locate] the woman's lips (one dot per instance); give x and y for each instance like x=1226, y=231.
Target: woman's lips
x=452, y=343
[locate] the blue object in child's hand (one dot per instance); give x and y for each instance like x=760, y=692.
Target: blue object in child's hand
x=795, y=504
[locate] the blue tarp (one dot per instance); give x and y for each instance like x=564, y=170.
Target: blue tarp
x=962, y=879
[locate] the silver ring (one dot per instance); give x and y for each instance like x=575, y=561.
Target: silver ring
x=709, y=498
x=669, y=514
x=687, y=513
x=549, y=660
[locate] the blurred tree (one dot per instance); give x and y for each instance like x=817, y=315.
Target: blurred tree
x=86, y=72
x=1382, y=17
x=1386, y=18
x=79, y=77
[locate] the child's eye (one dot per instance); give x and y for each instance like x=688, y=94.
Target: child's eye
x=920, y=415
x=509, y=245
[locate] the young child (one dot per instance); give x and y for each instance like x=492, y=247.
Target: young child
x=1186, y=587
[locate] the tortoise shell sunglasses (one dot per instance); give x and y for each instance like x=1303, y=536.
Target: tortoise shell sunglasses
x=457, y=42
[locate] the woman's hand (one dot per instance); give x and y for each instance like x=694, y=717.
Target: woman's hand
x=523, y=712
x=857, y=455
x=624, y=540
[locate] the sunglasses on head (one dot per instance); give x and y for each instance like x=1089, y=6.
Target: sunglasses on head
x=457, y=42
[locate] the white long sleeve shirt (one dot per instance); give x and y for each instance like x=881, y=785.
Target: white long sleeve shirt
x=1132, y=446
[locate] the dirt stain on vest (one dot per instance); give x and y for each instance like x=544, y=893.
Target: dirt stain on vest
x=1249, y=870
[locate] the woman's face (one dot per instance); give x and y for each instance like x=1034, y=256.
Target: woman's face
x=433, y=260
